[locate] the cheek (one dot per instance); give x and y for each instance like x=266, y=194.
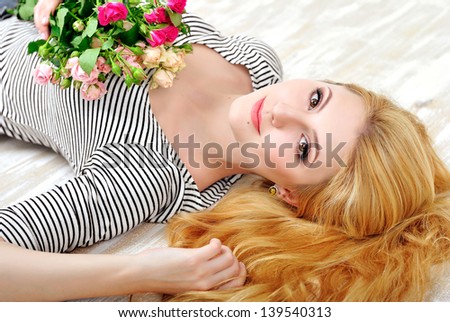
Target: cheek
x=291, y=177
x=281, y=159
x=280, y=148
x=318, y=172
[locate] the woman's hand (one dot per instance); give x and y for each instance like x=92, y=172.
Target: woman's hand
x=175, y=270
x=27, y=275
x=42, y=12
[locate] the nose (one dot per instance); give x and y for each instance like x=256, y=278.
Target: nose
x=284, y=114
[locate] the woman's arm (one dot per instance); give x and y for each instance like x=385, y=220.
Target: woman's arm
x=27, y=275
x=106, y=200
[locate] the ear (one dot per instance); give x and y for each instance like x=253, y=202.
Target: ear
x=287, y=196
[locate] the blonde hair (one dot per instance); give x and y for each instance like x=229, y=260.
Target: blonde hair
x=370, y=233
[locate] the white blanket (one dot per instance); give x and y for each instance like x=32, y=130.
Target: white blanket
x=400, y=48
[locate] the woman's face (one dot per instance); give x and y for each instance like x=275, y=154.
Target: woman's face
x=298, y=131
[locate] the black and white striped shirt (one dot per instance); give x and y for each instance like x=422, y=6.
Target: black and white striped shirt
x=126, y=171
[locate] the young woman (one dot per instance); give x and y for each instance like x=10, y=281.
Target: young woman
x=372, y=232
x=352, y=214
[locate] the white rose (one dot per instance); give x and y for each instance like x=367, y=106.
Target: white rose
x=151, y=57
x=172, y=61
x=163, y=78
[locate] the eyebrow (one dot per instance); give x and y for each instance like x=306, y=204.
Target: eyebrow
x=315, y=138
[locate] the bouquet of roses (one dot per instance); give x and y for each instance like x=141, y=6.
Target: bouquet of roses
x=89, y=39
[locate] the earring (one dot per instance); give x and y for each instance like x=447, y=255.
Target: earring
x=273, y=190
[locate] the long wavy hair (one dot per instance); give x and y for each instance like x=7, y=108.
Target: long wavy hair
x=372, y=232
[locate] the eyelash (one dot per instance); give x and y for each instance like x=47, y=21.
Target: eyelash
x=319, y=94
x=303, y=151
x=303, y=144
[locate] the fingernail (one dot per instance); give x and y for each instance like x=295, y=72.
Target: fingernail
x=43, y=35
x=44, y=20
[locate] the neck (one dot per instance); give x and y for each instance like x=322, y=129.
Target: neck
x=213, y=142
x=195, y=109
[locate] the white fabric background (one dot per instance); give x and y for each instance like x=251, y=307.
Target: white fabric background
x=397, y=47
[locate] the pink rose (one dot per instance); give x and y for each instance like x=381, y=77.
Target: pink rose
x=158, y=38
x=177, y=5
x=80, y=75
x=158, y=15
x=42, y=74
x=171, y=33
x=102, y=66
x=111, y=12
x=71, y=62
x=93, y=91
x=161, y=36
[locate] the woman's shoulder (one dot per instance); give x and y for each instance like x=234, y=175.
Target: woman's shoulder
x=260, y=59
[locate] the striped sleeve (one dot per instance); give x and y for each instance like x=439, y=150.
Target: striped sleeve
x=123, y=186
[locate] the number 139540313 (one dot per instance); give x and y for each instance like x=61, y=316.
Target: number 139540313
x=296, y=312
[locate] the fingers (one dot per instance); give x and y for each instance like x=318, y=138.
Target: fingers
x=42, y=12
x=224, y=267
x=41, y=20
x=214, y=265
x=238, y=281
x=220, y=257
x=210, y=251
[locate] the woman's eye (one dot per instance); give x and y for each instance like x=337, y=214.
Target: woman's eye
x=303, y=148
x=315, y=100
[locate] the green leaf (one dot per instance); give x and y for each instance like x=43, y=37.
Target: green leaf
x=91, y=28
x=55, y=61
x=60, y=18
x=81, y=43
x=26, y=9
x=66, y=36
x=76, y=41
x=87, y=8
x=137, y=51
x=108, y=44
x=85, y=44
x=184, y=29
x=55, y=31
x=187, y=47
x=34, y=45
x=88, y=59
x=131, y=36
x=175, y=18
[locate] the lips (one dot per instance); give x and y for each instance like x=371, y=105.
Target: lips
x=256, y=114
